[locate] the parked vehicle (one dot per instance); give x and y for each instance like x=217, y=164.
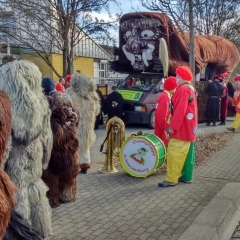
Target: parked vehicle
x=140, y=92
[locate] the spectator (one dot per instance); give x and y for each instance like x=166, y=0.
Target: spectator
x=60, y=86
x=215, y=91
x=113, y=104
x=224, y=103
x=131, y=82
x=48, y=86
x=99, y=118
x=67, y=81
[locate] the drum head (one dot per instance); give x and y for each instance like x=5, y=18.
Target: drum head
x=139, y=156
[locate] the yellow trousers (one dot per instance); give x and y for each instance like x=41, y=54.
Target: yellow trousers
x=236, y=122
x=176, y=155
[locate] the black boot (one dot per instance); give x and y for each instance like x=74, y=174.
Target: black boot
x=223, y=119
x=83, y=171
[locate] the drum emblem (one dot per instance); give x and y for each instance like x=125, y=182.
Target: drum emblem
x=138, y=157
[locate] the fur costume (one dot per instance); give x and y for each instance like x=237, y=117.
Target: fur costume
x=60, y=176
x=83, y=93
x=31, y=142
x=7, y=188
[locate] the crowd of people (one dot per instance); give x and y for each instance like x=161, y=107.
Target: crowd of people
x=176, y=119
x=43, y=146
x=48, y=140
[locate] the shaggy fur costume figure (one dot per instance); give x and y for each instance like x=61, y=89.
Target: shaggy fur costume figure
x=30, y=142
x=61, y=174
x=7, y=188
x=83, y=93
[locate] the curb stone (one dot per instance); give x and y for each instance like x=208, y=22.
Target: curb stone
x=219, y=218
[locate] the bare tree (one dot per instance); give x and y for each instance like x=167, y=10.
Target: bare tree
x=51, y=26
x=219, y=17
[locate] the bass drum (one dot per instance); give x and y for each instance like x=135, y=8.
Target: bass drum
x=141, y=155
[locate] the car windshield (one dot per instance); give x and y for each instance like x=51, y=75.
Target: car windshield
x=140, y=82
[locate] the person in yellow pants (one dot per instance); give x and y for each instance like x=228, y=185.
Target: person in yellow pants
x=236, y=104
x=182, y=130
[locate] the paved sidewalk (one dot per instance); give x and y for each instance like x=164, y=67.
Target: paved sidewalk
x=118, y=206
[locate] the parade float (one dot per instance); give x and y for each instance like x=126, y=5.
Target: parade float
x=151, y=48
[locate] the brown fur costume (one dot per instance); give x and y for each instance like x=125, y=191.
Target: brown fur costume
x=83, y=93
x=7, y=188
x=60, y=176
x=139, y=37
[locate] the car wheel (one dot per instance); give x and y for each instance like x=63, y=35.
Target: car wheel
x=152, y=120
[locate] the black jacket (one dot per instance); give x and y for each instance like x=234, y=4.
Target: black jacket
x=113, y=105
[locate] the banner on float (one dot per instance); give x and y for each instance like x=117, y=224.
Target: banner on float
x=131, y=95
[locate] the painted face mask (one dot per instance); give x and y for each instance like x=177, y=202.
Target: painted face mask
x=140, y=41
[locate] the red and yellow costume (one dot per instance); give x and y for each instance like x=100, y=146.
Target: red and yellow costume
x=236, y=104
x=182, y=128
x=163, y=110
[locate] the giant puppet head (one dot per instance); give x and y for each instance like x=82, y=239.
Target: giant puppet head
x=141, y=44
x=147, y=37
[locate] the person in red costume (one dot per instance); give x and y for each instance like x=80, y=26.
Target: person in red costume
x=236, y=104
x=67, y=81
x=163, y=109
x=60, y=85
x=182, y=130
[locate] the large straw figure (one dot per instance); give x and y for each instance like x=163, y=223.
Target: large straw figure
x=83, y=92
x=30, y=142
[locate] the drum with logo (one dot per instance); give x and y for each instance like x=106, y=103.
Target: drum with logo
x=141, y=155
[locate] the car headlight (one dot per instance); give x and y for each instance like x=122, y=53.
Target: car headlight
x=139, y=109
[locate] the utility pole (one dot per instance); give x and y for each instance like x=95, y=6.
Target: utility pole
x=191, y=44
x=8, y=46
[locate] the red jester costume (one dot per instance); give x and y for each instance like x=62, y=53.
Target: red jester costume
x=236, y=104
x=182, y=129
x=163, y=109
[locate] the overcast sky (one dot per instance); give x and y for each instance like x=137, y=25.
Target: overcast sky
x=129, y=6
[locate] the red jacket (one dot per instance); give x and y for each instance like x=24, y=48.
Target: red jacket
x=162, y=113
x=60, y=88
x=236, y=101
x=184, y=120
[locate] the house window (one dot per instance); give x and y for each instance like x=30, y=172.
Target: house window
x=102, y=70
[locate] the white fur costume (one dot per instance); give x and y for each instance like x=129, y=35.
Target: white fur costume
x=83, y=92
x=30, y=143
